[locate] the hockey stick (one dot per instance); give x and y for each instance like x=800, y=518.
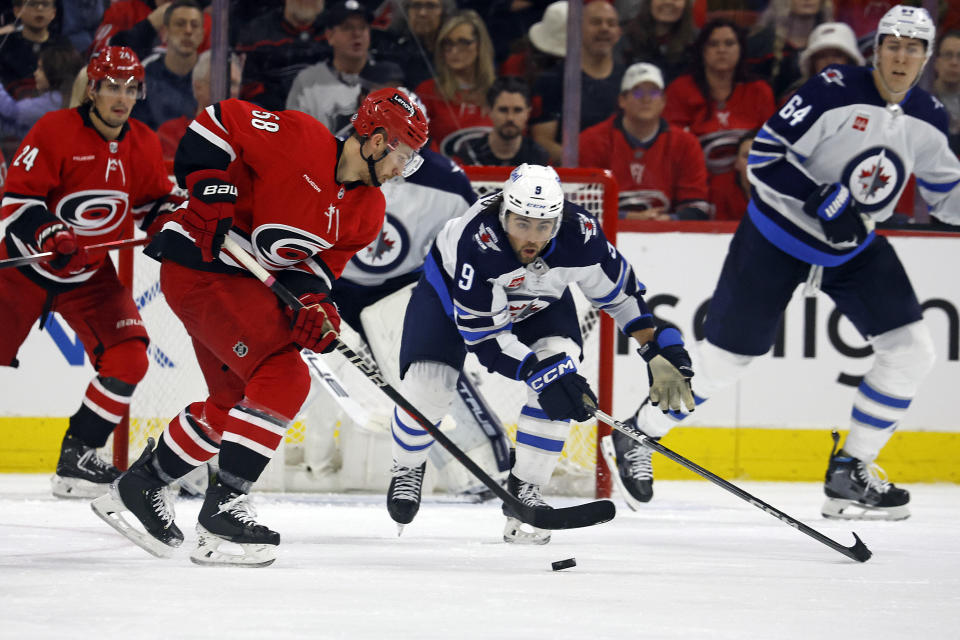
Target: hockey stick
x=858, y=551
x=46, y=255
x=582, y=515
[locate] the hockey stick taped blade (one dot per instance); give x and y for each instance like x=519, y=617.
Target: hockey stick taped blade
x=581, y=515
x=559, y=565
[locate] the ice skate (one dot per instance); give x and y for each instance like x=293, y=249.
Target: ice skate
x=81, y=473
x=516, y=531
x=403, y=495
x=632, y=460
x=141, y=492
x=857, y=490
x=228, y=533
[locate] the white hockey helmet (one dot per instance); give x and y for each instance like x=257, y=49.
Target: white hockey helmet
x=906, y=22
x=534, y=191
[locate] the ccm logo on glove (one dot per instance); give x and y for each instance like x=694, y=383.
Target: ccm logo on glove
x=539, y=380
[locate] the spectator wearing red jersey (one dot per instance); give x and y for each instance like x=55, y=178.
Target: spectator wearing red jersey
x=732, y=190
x=171, y=131
x=659, y=168
x=278, y=46
x=599, y=77
x=456, y=98
x=661, y=33
x=716, y=102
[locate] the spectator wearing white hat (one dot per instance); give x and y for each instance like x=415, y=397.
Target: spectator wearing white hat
x=660, y=168
x=829, y=43
x=545, y=46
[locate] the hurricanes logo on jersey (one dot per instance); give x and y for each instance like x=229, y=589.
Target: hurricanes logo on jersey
x=93, y=212
x=281, y=246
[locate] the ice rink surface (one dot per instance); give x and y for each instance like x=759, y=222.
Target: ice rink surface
x=696, y=563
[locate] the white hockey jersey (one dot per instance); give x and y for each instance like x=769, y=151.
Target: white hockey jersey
x=837, y=128
x=485, y=289
x=417, y=208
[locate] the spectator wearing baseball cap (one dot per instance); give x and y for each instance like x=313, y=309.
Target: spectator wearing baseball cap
x=660, y=168
x=330, y=90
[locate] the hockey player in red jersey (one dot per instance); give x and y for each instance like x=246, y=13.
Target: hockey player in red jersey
x=75, y=179
x=302, y=202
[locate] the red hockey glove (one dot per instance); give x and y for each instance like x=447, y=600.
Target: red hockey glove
x=209, y=213
x=317, y=324
x=71, y=257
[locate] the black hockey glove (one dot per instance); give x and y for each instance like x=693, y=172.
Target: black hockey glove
x=561, y=391
x=669, y=369
x=838, y=213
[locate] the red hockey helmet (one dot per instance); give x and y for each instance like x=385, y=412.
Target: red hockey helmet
x=120, y=64
x=399, y=116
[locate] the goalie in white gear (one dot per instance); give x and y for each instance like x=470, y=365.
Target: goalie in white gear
x=496, y=283
x=830, y=163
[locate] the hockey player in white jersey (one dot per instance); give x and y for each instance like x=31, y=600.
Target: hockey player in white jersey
x=496, y=283
x=832, y=162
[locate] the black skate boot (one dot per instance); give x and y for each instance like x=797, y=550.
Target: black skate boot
x=857, y=490
x=227, y=516
x=142, y=492
x=403, y=495
x=516, y=531
x=633, y=463
x=81, y=473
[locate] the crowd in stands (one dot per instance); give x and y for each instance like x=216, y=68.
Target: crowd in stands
x=672, y=91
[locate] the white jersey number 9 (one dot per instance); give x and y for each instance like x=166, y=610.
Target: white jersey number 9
x=792, y=112
x=466, y=276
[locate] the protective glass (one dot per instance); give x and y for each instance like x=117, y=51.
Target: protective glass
x=409, y=159
x=115, y=87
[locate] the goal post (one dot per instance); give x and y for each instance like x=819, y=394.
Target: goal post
x=173, y=379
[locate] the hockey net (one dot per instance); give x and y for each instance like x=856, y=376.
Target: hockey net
x=331, y=447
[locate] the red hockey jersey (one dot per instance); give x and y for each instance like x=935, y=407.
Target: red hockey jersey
x=667, y=173
x=65, y=166
x=291, y=212
x=718, y=127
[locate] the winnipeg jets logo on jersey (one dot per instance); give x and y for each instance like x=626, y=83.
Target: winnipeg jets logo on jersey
x=281, y=246
x=93, y=212
x=486, y=238
x=874, y=177
x=522, y=309
x=388, y=250
x=588, y=227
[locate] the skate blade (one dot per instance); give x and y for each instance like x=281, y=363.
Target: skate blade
x=76, y=488
x=840, y=509
x=209, y=552
x=610, y=456
x=516, y=532
x=110, y=509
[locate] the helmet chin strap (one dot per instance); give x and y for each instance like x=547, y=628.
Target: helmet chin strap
x=372, y=165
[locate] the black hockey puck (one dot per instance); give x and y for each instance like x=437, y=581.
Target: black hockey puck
x=564, y=564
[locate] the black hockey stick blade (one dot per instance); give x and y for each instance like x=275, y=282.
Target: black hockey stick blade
x=575, y=517
x=858, y=551
x=581, y=515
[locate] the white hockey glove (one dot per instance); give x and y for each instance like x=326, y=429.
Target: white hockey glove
x=669, y=369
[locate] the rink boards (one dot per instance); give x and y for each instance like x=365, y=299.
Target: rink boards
x=773, y=425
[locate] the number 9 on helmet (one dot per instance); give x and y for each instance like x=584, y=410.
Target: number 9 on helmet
x=534, y=191
x=401, y=120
